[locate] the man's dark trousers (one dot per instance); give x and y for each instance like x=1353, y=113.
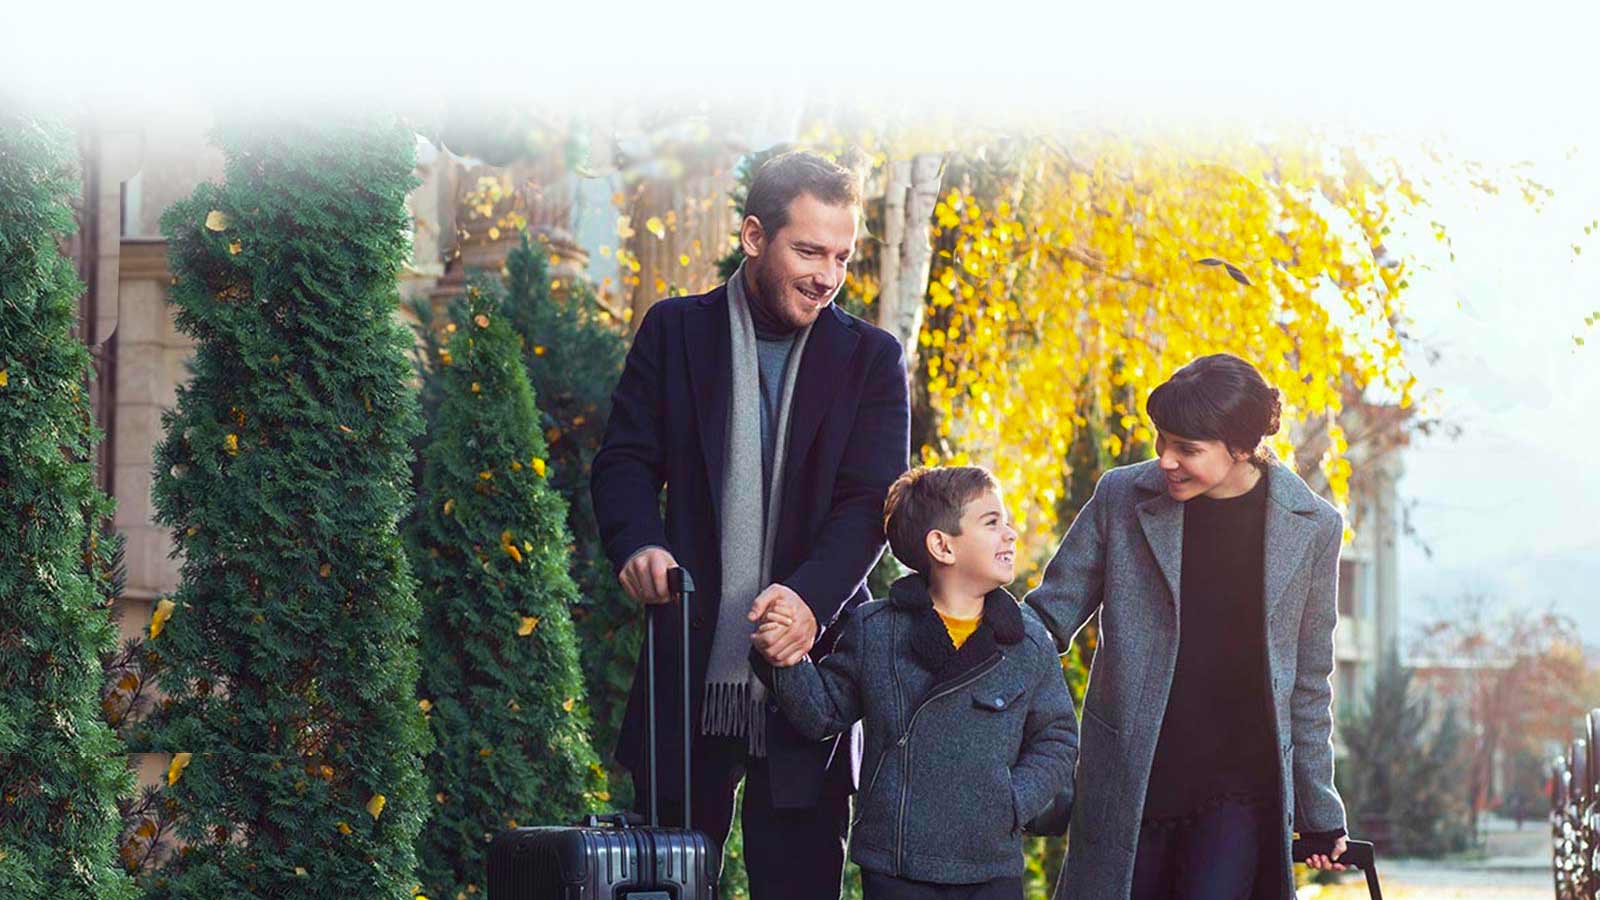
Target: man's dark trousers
x=790, y=854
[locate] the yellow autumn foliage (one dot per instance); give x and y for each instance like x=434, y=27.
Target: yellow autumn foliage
x=1069, y=287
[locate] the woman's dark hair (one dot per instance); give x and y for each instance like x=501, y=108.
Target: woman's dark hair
x=1218, y=398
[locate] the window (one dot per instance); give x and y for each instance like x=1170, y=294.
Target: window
x=1349, y=571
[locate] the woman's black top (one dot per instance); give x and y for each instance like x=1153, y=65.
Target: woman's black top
x=1217, y=738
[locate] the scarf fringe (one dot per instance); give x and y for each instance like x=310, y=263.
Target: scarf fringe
x=735, y=710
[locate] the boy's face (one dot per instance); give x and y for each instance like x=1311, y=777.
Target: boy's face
x=985, y=551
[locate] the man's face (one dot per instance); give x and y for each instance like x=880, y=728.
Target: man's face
x=798, y=270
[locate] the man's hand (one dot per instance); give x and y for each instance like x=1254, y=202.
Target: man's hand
x=644, y=576
x=787, y=629
x=1329, y=862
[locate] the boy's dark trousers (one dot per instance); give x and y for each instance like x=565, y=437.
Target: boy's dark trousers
x=790, y=854
x=885, y=887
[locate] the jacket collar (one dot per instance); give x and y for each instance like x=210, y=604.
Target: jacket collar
x=1291, y=508
x=707, y=347
x=1284, y=488
x=930, y=640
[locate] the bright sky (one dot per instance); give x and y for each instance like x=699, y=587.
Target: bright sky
x=1508, y=508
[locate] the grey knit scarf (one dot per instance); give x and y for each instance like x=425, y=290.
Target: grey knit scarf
x=735, y=699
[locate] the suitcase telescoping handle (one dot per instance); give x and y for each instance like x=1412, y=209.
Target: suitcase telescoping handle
x=1356, y=853
x=679, y=583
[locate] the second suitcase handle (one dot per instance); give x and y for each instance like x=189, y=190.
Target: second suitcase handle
x=680, y=583
x=1358, y=854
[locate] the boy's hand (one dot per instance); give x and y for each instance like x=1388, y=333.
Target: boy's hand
x=788, y=628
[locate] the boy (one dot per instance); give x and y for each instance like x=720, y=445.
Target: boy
x=970, y=732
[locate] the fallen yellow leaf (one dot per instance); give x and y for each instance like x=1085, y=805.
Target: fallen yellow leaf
x=449, y=506
x=375, y=805
x=300, y=871
x=180, y=761
x=234, y=247
x=425, y=704
x=569, y=704
x=344, y=828
x=158, y=620
x=217, y=220
x=231, y=444
x=5, y=377
x=538, y=465
x=529, y=623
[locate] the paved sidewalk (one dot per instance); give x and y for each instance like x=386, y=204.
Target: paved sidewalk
x=1514, y=865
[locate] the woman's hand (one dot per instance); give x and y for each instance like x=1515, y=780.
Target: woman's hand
x=1328, y=862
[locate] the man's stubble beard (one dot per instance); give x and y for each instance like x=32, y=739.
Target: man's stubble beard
x=769, y=294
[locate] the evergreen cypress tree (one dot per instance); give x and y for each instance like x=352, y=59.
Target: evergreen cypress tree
x=500, y=677
x=1403, y=768
x=288, y=654
x=61, y=769
x=574, y=359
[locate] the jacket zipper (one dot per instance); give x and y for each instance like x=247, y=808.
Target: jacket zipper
x=905, y=745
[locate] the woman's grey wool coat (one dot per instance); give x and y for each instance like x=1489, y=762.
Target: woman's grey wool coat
x=1121, y=558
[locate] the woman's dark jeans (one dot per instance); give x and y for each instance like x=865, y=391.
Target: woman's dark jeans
x=1222, y=854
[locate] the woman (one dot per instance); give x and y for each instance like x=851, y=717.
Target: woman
x=1206, y=736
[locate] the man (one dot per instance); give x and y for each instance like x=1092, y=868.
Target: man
x=777, y=423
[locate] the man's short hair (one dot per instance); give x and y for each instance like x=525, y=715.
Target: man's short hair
x=925, y=499
x=788, y=175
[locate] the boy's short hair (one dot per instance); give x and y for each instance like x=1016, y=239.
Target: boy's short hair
x=925, y=499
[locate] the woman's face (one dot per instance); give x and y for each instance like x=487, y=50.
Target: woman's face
x=1194, y=467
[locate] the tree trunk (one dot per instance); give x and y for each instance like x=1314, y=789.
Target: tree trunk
x=912, y=193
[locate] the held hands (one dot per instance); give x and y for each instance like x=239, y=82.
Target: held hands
x=787, y=627
x=644, y=576
x=1327, y=862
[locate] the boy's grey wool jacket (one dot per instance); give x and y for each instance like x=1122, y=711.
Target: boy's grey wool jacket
x=963, y=747
x=1121, y=558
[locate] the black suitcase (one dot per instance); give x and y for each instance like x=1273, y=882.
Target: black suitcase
x=1358, y=854
x=615, y=857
